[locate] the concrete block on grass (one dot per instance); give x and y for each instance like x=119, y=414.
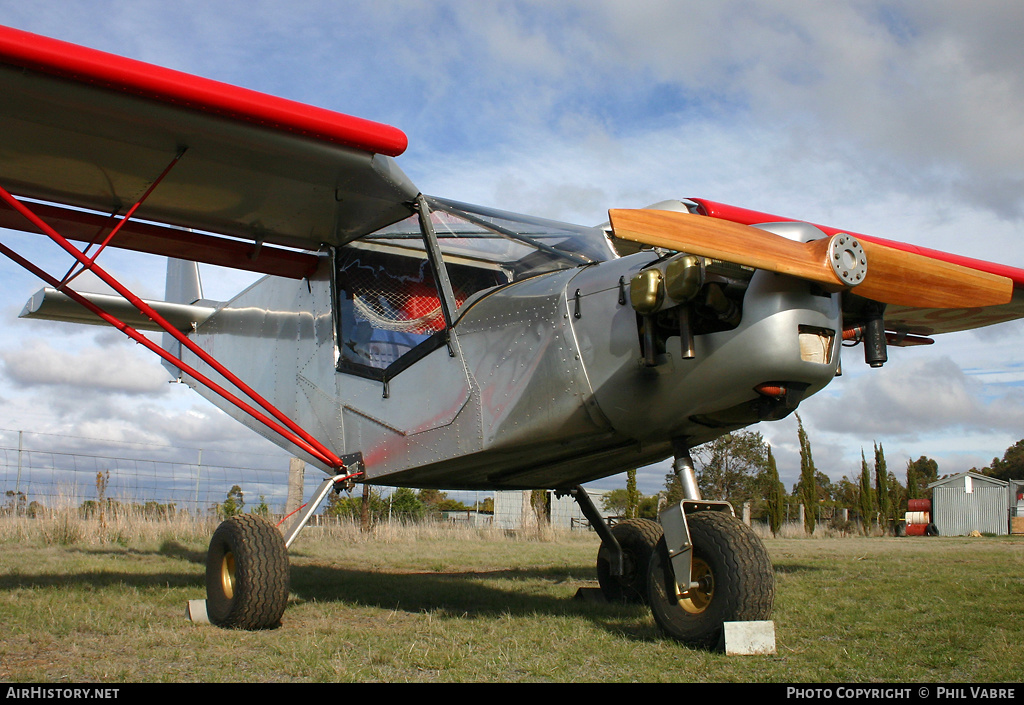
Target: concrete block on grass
x=748, y=638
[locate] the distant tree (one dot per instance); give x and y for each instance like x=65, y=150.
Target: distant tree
x=867, y=497
x=648, y=507
x=897, y=496
x=882, y=489
x=913, y=486
x=673, y=489
x=233, y=503
x=262, y=509
x=826, y=490
x=615, y=502
x=846, y=493
x=1011, y=467
x=775, y=495
x=406, y=505
x=808, y=491
x=632, y=495
x=431, y=498
x=730, y=467
x=349, y=507
x=16, y=502
x=451, y=505
x=921, y=473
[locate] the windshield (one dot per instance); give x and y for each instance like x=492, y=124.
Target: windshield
x=517, y=245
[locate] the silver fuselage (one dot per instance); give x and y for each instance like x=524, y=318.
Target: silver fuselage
x=543, y=382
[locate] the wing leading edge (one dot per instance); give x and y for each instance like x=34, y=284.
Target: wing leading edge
x=83, y=129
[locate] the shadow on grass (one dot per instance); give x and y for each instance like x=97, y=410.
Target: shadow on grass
x=792, y=568
x=467, y=595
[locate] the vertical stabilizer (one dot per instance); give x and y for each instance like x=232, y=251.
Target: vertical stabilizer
x=182, y=287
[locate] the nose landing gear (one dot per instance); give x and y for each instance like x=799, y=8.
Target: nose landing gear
x=731, y=580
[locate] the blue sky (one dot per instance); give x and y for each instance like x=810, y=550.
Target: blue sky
x=902, y=120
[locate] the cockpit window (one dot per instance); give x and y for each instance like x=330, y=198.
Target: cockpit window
x=388, y=302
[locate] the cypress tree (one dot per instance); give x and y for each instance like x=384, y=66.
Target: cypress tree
x=632, y=495
x=775, y=496
x=808, y=482
x=866, y=500
x=882, y=489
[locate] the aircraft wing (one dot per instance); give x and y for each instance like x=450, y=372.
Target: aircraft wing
x=926, y=292
x=89, y=133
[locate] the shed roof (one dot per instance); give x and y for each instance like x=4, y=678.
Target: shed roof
x=976, y=476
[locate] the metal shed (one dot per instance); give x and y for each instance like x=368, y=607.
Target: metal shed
x=512, y=509
x=970, y=502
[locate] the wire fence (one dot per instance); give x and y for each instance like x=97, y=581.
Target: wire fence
x=41, y=471
x=50, y=471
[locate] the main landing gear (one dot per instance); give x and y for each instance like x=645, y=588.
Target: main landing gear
x=697, y=569
x=247, y=571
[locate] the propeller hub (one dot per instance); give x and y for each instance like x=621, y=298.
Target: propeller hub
x=848, y=259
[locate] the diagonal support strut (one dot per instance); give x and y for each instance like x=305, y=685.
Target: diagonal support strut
x=276, y=421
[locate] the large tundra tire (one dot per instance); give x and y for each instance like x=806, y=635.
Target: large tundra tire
x=247, y=574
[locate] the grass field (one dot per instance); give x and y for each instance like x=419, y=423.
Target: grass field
x=81, y=603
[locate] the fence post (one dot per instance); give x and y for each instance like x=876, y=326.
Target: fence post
x=296, y=483
x=17, y=483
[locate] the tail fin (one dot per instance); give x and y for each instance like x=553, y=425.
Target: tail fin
x=182, y=287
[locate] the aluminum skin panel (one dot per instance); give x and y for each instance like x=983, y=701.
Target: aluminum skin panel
x=278, y=337
x=522, y=355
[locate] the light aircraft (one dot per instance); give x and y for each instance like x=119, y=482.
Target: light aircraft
x=409, y=340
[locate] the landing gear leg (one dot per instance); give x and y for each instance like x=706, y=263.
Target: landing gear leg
x=247, y=571
x=709, y=568
x=625, y=551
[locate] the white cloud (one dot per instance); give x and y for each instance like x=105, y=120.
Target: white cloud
x=913, y=396
x=112, y=369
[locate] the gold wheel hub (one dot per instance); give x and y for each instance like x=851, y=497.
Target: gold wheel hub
x=227, y=575
x=697, y=599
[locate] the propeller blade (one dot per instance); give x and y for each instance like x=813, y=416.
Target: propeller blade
x=842, y=262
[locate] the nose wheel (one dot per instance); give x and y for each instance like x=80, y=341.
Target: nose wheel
x=731, y=580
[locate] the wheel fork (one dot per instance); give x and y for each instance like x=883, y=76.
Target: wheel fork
x=673, y=520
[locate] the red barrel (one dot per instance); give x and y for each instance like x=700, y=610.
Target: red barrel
x=919, y=505
x=916, y=529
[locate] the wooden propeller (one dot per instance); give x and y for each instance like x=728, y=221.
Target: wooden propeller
x=842, y=262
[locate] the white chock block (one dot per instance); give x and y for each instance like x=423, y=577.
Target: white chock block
x=197, y=611
x=749, y=638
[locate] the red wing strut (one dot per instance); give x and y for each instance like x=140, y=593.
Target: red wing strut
x=283, y=425
x=215, y=173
